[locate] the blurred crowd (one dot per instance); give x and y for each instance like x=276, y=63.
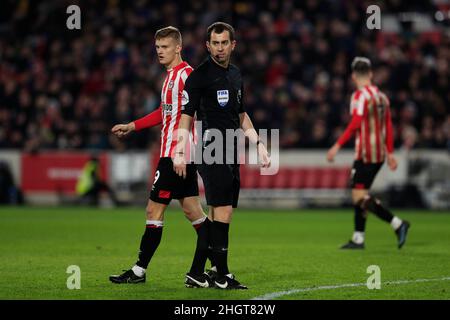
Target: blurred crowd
x=65, y=89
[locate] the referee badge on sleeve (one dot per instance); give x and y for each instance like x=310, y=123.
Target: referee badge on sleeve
x=222, y=97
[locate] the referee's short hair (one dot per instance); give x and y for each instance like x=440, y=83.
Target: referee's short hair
x=219, y=27
x=169, y=31
x=361, y=65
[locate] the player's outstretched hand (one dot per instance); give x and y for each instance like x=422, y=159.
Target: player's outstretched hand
x=179, y=164
x=392, y=162
x=332, y=152
x=264, y=156
x=121, y=130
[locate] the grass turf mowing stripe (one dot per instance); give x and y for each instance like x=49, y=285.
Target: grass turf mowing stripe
x=279, y=294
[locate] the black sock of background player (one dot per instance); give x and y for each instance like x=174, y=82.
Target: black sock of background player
x=219, y=237
x=360, y=220
x=149, y=243
x=202, y=249
x=374, y=205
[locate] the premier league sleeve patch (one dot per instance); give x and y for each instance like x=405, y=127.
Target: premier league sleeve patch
x=222, y=97
x=184, y=98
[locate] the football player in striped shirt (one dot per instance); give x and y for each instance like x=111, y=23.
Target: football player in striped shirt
x=371, y=124
x=167, y=184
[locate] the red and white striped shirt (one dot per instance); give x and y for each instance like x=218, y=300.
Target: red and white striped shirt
x=171, y=95
x=371, y=122
x=169, y=112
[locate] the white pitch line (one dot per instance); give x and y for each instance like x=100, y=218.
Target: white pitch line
x=273, y=295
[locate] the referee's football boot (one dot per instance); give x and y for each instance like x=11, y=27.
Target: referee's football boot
x=127, y=277
x=353, y=245
x=228, y=282
x=197, y=280
x=401, y=233
x=212, y=274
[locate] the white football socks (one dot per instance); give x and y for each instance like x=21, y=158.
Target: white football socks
x=138, y=271
x=198, y=221
x=396, y=222
x=358, y=237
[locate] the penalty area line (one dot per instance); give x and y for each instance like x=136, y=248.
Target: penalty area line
x=274, y=295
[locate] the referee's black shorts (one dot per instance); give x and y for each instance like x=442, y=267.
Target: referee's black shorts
x=167, y=185
x=363, y=174
x=222, y=184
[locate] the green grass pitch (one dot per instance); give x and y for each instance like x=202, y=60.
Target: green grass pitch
x=270, y=251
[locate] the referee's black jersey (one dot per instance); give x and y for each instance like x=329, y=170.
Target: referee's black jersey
x=216, y=94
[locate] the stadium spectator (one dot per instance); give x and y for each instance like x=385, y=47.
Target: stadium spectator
x=63, y=89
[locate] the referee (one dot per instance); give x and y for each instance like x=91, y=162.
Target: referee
x=214, y=92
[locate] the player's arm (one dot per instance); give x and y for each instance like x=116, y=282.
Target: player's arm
x=179, y=160
x=152, y=119
x=190, y=102
x=392, y=162
x=355, y=124
x=250, y=132
x=252, y=135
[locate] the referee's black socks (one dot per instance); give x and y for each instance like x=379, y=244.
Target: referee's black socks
x=219, y=237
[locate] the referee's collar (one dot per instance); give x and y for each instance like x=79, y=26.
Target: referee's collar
x=214, y=62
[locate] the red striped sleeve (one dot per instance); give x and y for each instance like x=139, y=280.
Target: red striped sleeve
x=354, y=125
x=356, y=108
x=188, y=72
x=389, y=131
x=150, y=120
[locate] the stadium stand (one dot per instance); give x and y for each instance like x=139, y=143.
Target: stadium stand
x=61, y=90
